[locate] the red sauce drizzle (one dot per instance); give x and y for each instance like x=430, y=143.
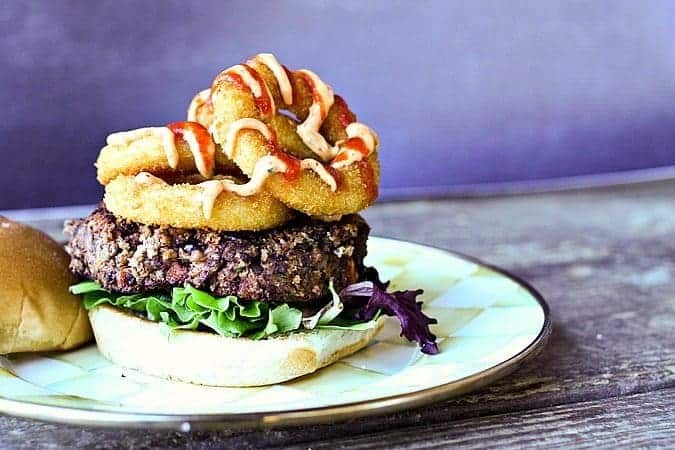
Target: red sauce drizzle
x=368, y=175
x=202, y=136
x=235, y=79
x=315, y=94
x=292, y=163
x=344, y=115
x=264, y=102
x=353, y=143
x=356, y=143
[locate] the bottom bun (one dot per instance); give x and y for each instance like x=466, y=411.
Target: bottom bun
x=210, y=359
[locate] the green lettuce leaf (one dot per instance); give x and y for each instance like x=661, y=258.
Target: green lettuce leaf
x=187, y=308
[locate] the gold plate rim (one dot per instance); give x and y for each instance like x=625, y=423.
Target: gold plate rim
x=326, y=414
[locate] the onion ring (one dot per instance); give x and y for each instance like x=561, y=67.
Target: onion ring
x=149, y=150
x=150, y=200
x=254, y=91
x=200, y=109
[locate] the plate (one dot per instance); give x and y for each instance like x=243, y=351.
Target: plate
x=489, y=322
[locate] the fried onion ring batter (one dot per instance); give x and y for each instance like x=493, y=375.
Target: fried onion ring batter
x=319, y=133
x=150, y=200
x=146, y=151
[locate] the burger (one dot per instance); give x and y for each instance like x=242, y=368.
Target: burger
x=228, y=249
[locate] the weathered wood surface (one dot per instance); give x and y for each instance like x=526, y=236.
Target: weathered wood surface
x=604, y=260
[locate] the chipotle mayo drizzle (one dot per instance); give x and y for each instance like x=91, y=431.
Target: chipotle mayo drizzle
x=361, y=140
x=197, y=137
x=148, y=179
x=321, y=171
x=323, y=98
x=262, y=128
x=256, y=84
x=265, y=167
x=360, y=143
x=165, y=135
x=285, y=87
x=244, y=124
x=197, y=102
x=200, y=143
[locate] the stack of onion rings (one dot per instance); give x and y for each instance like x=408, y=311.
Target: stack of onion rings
x=315, y=158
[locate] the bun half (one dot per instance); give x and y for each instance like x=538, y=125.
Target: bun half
x=211, y=359
x=37, y=312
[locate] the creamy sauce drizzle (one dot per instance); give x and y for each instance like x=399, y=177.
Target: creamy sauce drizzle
x=323, y=98
x=262, y=128
x=197, y=102
x=148, y=179
x=265, y=167
x=350, y=153
x=259, y=90
x=202, y=147
x=165, y=135
x=321, y=171
x=343, y=153
x=285, y=87
x=360, y=143
x=243, y=124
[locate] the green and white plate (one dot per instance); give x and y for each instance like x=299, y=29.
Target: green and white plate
x=488, y=323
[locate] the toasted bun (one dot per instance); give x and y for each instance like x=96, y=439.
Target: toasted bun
x=37, y=313
x=210, y=359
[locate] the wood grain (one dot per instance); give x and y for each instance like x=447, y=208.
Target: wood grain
x=604, y=260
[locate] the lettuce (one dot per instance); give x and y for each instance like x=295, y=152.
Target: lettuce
x=188, y=308
x=357, y=307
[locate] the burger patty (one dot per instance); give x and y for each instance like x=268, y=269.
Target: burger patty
x=292, y=263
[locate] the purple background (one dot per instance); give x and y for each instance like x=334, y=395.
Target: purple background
x=460, y=92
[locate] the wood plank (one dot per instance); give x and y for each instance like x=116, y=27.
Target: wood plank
x=626, y=422
x=640, y=420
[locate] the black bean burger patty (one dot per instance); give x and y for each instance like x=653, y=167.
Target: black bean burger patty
x=292, y=263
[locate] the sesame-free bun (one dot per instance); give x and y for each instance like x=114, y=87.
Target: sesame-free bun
x=210, y=359
x=37, y=313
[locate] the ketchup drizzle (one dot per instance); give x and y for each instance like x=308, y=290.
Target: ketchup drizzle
x=264, y=102
x=316, y=97
x=202, y=136
x=293, y=165
x=344, y=115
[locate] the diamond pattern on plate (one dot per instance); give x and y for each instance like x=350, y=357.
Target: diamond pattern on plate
x=97, y=386
x=384, y=358
x=12, y=387
x=464, y=349
x=450, y=320
x=43, y=371
x=186, y=398
x=323, y=382
x=511, y=320
x=87, y=358
x=476, y=291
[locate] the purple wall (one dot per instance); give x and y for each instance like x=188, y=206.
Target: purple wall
x=460, y=92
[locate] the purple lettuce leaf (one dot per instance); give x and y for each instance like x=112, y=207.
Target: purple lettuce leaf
x=373, y=297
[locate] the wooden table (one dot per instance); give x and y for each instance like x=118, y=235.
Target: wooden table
x=604, y=260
